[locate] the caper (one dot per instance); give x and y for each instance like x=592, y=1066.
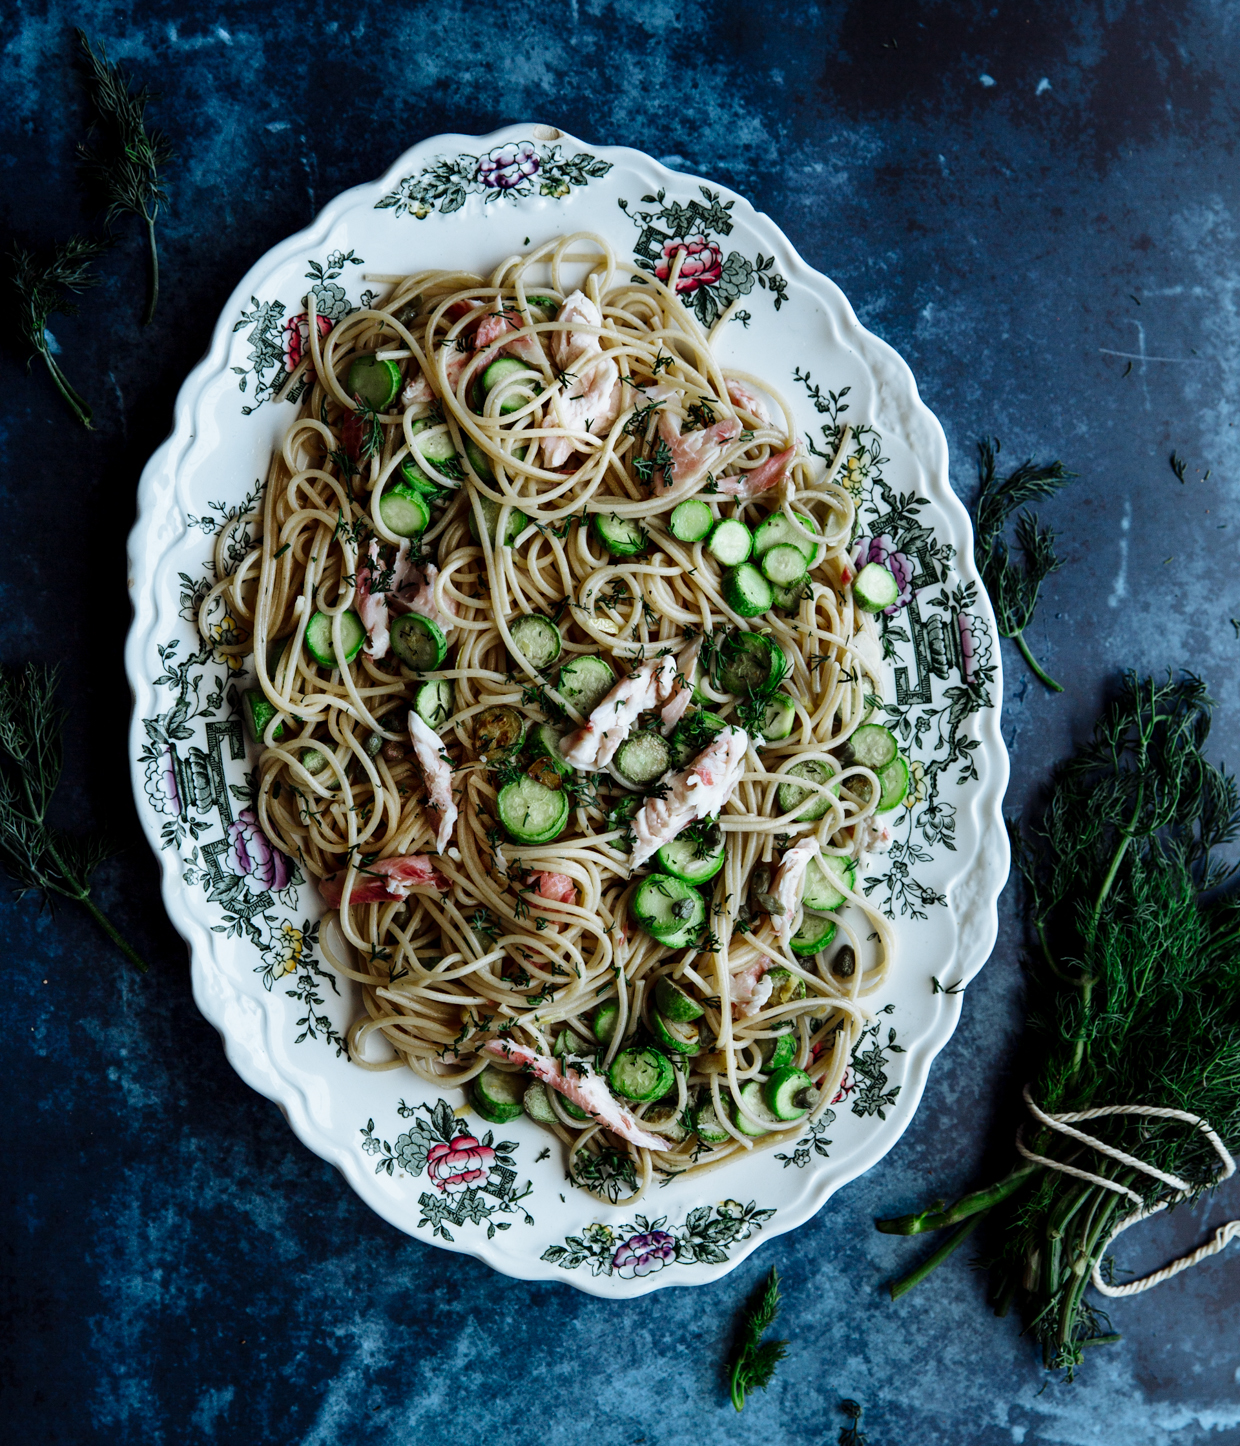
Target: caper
x=682, y=909
x=844, y=965
x=374, y=742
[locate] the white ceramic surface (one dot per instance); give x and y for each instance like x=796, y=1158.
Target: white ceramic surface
x=469, y=201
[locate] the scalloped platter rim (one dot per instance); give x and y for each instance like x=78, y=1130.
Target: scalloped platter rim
x=251, y=924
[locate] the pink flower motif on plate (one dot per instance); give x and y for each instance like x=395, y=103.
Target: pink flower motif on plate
x=702, y=266
x=297, y=337
x=459, y=1164
x=974, y=645
x=641, y=1254
x=507, y=166
x=253, y=857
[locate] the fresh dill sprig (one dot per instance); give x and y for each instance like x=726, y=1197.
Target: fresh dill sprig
x=753, y=1367
x=1013, y=587
x=122, y=157
x=35, y=854
x=41, y=288
x=1135, y=978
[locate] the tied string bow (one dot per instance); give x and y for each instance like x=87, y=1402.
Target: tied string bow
x=1062, y=1124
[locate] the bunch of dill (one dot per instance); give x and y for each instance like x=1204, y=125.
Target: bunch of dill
x=1135, y=999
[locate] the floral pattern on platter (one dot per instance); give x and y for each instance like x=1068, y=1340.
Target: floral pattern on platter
x=279, y=343
x=475, y=1178
x=937, y=621
x=209, y=818
x=645, y=1246
x=708, y=281
x=517, y=169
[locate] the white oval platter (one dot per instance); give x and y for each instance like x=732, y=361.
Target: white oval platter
x=251, y=925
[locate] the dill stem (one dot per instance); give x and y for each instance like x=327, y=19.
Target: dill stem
x=153, y=281
x=975, y=1204
x=112, y=932
x=953, y=1242
x=1019, y=640
x=81, y=409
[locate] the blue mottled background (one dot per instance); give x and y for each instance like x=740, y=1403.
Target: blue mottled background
x=1023, y=199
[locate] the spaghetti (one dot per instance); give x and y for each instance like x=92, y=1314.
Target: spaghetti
x=469, y=518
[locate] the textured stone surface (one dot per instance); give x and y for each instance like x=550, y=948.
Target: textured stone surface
x=1022, y=199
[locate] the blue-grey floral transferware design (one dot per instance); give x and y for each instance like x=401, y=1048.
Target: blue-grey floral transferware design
x=517, y=169
x=645, y=1246
x=278, y=343
x=708, y=281
x=476, y=1179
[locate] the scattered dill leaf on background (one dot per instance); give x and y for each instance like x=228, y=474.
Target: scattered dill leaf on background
x=753, y=1366
x=121, y=157
x=36, y=855
x=42, y=288
x=1013, y=586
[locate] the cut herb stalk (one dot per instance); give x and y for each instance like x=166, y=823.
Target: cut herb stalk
x=35, y=854
x=1137, y=976
x=1013, y=588
x=125, y=159
x=41, y=288
x=753, y=1366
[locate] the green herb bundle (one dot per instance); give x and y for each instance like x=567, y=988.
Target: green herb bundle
x=41, y=287
x=1135, y=999
x=755, y=1360
x=1013, y=586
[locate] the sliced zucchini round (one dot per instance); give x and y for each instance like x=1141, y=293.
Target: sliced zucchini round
x=751, y=664
x=537, y=639
x=691, y=521
x=786, y=987
x=585, y=681
x=875, y=588
x=517, y=522
x=746, y=591
x=621, y=536
x=784, y=565
x=546, y=771
x=520, y=384
x=411, y=475
x=815, y=933
x=665, y=1119
x=419, y=643
x=790, y=795
x=777, y=531
x=606, y=1017
x=826, y=878
x=641, y=1074
x=403, y=511
x=537, y=1103
x=499, y=730
x=789, y=598
x=752, y=1098
x=893, y=782
x=666, y=907
x=480, y=462
x=544, y=743
x=681, y=1038
x=258, y=713
x=779, y=718
x=319, y=638
x=691, y=860
x=673, y=1003
x=498, y=1094
x=694, y=734
x=435, y=702
x=643, y=757
x=790, y=1094
x=873, y=746
x=374, y=382
x=730, y=541
x=706, y=1124
x=780, y=1051
x=531, y=812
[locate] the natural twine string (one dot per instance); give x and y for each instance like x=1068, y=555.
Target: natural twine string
x=1061, y=1123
